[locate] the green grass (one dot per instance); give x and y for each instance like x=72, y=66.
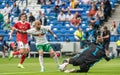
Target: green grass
x=32, y=67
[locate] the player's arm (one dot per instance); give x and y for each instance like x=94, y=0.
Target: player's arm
x=36, y=34
x=107, y=36
x=107, y=58
x=111, y=56
x=55, y=36
x=21, y=31
x=12, y=30
x=30, y=31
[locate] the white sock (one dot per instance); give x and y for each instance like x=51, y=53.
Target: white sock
x=41, y=61
x=56, y=60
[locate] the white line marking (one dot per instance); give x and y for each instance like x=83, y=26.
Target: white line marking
x=10, y=73
x=17, y=73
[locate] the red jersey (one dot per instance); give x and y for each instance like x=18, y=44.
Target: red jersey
x=20, y=36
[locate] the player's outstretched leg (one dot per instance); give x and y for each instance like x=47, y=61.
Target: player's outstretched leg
x=42, y=69
x=41, y=62
x=11, y=54
x=20, y=65
x=53, y=54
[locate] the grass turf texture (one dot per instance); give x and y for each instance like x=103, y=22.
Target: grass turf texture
x=32, y=67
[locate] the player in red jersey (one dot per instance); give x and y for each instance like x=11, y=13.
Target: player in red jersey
x=22, y=40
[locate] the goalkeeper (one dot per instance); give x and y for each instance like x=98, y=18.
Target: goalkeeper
x=86, y=58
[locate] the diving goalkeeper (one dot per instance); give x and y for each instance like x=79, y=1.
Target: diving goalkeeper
x=86, y=58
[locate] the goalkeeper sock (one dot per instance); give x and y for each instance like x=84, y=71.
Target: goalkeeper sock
x=41, y=61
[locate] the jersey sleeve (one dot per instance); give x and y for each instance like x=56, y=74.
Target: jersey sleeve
x=46, y=28
x=30, y=31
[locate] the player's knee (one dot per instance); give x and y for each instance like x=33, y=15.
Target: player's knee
x=52, y=53
x=22, y=51
x=27, y=51
x=73, y=62
x=40, y=52
x=84, y=68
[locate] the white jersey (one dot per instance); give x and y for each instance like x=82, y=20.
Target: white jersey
x=40, y=39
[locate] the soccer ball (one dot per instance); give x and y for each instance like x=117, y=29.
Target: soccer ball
x=58, y=54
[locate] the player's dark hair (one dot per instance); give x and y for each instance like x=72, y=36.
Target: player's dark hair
x=22, y=14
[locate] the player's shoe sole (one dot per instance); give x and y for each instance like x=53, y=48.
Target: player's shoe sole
x=20, y=66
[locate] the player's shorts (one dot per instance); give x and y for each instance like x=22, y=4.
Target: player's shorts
x=106, y=45
x=22, y=45
x=44, y=47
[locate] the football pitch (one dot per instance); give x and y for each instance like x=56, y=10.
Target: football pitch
x=32, y=67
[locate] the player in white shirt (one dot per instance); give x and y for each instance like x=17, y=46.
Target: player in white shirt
x=39, y=33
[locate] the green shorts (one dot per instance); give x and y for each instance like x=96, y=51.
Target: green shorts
x=44, y=47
